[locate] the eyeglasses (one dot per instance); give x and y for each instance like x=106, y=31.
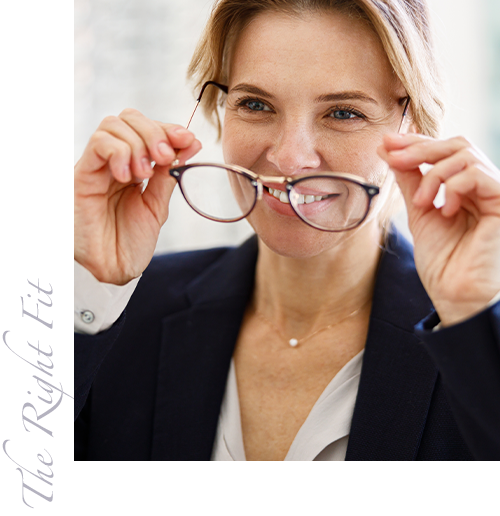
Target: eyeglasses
x=227, y=193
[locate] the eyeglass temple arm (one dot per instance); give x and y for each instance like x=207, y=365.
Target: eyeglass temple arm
x=222, y=87
x=198, y=100
x=405, y=112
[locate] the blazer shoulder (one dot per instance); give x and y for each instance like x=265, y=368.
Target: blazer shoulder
x=183, y=266
x=170, y=273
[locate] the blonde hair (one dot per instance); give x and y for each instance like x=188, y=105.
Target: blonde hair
x=403, y=28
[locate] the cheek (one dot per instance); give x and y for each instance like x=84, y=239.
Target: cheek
x=239, y=146
x=357, y=155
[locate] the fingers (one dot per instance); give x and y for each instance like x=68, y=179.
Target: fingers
x=408, y=183
x=160, y=187
x=457, y=164
x=406, y=152
x=131, y=141
x=158, y=192
x=182, y=141
x=474, y=183
x=161, y=140
x=105, y=148
x=140, y=160
x=440, y=173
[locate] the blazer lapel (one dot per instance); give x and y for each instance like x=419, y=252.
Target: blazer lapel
x=194, y=360
x=397, y=379
x=398, y=376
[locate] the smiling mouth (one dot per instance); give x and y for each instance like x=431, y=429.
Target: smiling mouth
x=303, y=199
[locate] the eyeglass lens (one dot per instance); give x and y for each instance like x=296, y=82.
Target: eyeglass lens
x=218, y=193
x=225, y=195
x=329, y=203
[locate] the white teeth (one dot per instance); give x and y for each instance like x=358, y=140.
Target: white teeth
x=303, y=199
x=284, y=198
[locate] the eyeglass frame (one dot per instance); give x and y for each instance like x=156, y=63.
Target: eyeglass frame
x=257, y=180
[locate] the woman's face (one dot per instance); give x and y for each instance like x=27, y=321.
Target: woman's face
x=308, y=94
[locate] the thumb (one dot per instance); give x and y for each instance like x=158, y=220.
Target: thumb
x=161, y=185
x=158, y=192
x=408, y=182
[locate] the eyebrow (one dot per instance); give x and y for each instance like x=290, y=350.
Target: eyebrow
x=250, y=88
x=329, y=97
x=346, y=95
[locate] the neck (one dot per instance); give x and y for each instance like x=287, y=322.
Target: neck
x=301, y=295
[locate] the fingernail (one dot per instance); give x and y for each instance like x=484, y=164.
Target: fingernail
x=164, y=149
x=397, y=153
x=181, y=131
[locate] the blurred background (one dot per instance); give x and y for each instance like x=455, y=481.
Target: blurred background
x=131, y=53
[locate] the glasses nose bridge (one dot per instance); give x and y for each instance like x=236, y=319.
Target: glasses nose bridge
x=280, y=180
x=260, y=180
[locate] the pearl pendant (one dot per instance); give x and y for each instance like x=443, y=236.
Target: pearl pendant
x=293, y=342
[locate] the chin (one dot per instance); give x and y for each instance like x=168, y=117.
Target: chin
x=292, y=238
x=295, y=239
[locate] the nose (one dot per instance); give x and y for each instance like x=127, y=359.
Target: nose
x=294, y=148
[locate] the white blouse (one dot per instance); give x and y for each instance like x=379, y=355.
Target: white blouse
x=325, y=432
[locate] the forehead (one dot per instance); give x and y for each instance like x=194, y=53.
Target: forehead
x=316, y=50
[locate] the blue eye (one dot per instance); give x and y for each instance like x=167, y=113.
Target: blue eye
x=253, y=108
x=255, y=105
x=343, y=115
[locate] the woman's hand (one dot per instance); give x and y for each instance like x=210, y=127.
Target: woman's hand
x=116, y=222
x=457, y=247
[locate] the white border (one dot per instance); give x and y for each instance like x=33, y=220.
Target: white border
x=36, y=241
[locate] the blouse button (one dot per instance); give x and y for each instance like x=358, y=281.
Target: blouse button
x=87, y=316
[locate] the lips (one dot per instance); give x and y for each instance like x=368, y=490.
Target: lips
x=274, y=202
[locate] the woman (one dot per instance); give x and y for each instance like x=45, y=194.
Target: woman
x=255, y=353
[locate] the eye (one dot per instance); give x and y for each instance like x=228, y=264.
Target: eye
x=342, y=114
x=253, y=105
x=256, y=105
x=344, y=118
x=345, y=113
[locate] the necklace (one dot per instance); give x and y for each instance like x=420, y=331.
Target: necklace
x=295, y=342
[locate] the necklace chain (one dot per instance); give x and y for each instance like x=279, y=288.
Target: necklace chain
x=294, y=342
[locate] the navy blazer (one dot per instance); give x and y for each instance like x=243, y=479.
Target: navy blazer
x=151, y=387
